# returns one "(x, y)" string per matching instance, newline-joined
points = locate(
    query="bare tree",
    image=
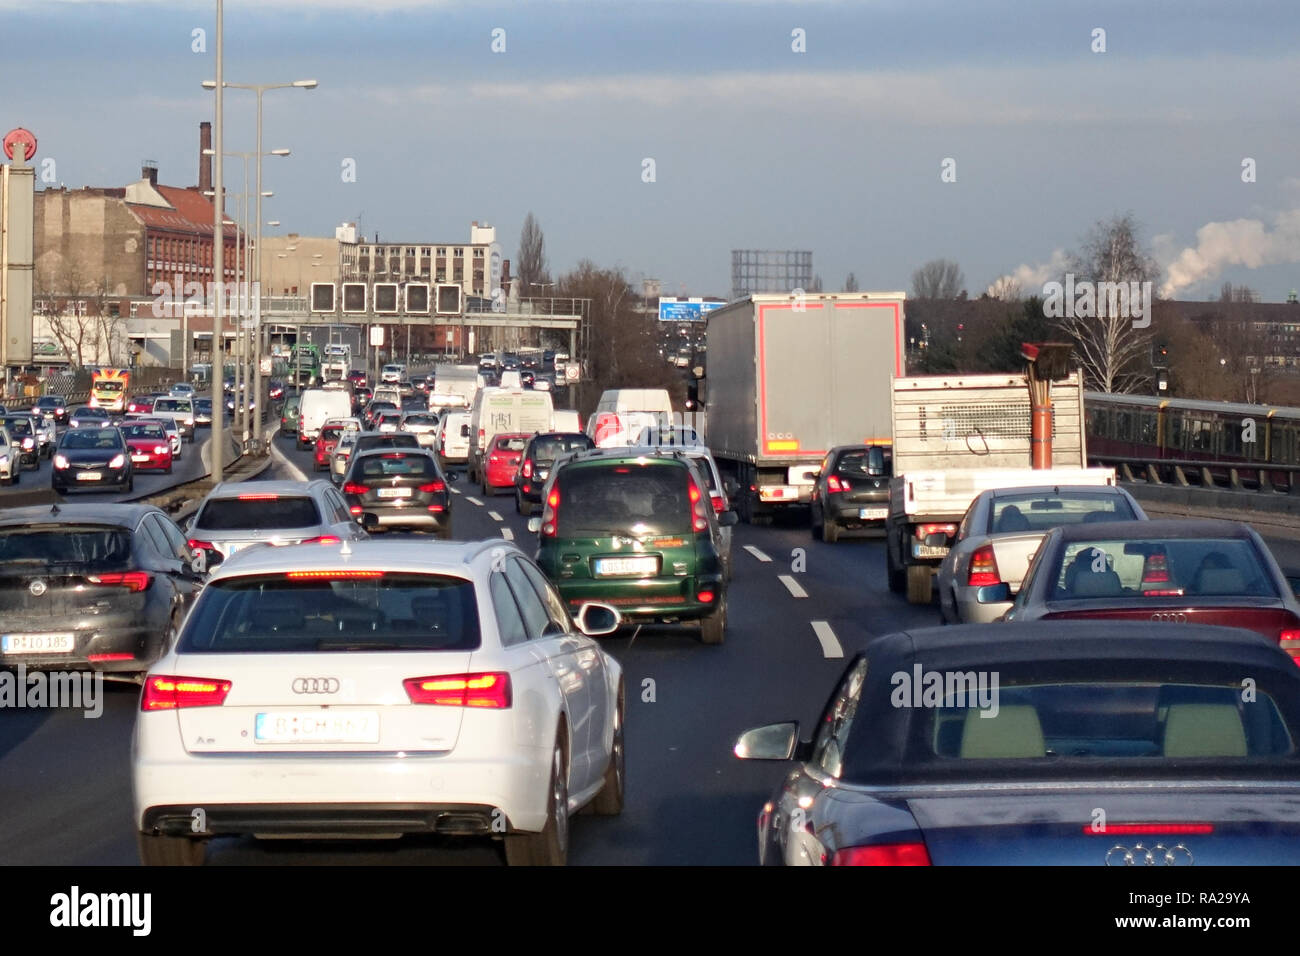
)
(1240, 293)
(815, 285)
(1114, 355)
(937, 279)
(851, 283)
(531, 261)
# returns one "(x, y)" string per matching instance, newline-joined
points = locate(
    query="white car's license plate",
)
(646, 565)
(139, 457)
(36, 643)
(89, 476)
(873, 512)
(394, 492)
(317, 727)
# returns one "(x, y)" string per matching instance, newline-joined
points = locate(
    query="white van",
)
(622, 413)
(566, 420)
(316, 407)
(501, 410)
(451, 438)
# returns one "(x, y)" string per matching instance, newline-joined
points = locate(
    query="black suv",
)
(535, 464)
(398, 488)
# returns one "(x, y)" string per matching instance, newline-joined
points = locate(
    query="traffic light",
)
(1160, 355)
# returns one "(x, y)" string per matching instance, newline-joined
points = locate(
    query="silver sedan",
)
(1001, 532)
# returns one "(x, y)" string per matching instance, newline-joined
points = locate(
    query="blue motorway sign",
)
(694, 310)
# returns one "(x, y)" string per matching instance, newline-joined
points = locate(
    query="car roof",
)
(592, 456)
(125, 515)
(959, 646)
(233, 489)
(1161, 528)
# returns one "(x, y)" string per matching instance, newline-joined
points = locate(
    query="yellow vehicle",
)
(108, 389)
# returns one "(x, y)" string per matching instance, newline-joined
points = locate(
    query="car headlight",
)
(159, 449)
(117, 462)
(60, 461)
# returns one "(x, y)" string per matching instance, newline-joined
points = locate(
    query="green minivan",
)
(635, 530)
(289, 416)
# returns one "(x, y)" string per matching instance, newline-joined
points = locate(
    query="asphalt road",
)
(797, 609)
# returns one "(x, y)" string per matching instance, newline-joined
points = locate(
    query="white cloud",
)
(1240, 242)
(1030, 278)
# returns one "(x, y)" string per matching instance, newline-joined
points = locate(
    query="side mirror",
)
(202, 561)
(535, 524)
(596, 620)
(772, 742)
(993, 593)
(728, 518)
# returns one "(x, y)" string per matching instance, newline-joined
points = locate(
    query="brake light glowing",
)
(331, 575)
(1289, 641)
(355, 509)
(887, 854)
(705, 597)
(699, 518)
(434, 487)
(1152, 829)
(552, 514)
(719, 505)
(164, 692)
(324, 539)
(488, 690)
(353, 488)
(528, 468)
(1155, 570)
(258, 497)
(983, 568)
(923, 531)
(834, 483)
(133, 581)
(194, 544)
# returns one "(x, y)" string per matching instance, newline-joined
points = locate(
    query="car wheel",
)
(445, 533)
(171, 850)
(609, 802)
(130, 484)
(815, 526)
(713, 629)
(830, 531)
(897, 576)
(551, 846)
(920, 589)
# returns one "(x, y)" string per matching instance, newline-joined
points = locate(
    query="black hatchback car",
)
(53, 405)
(91, 587)
(398, 488)
(535, 465)
(92, 458)
(852, 490)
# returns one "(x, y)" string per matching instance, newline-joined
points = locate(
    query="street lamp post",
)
(216, 446)
(259, 89)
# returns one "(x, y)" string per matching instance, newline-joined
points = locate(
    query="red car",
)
(151, 449)
(502, 462)
(325, 442)
(141, 404)
(357, 377)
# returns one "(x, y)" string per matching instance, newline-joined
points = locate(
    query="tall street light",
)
(259, 89)
(218, 266)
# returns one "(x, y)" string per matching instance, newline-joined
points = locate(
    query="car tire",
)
(713, 628)
(897, 576)
(130, 484)
(609, 802)
(171, 850)
(830, 531)
(550, 847)
(920, 584)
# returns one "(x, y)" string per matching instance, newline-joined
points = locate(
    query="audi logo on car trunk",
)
(1157, 855)
(1172, 617)
(315, 685)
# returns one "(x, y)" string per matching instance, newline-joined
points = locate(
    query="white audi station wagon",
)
(376, 689)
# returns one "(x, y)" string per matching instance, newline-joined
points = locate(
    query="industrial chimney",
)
(205, 162)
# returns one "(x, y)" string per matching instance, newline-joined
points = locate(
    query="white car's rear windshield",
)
(321, 611)
(255, 513)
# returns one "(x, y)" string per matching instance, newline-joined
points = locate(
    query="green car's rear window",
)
(632, 498)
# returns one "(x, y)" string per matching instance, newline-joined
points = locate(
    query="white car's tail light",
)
(486, 690)
(165, 692)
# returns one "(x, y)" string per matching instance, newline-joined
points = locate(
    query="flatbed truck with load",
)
(955, 436)
(790, 377)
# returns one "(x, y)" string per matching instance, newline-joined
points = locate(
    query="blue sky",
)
(837, 149)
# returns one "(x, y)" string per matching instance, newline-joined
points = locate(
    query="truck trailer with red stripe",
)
(791, 376)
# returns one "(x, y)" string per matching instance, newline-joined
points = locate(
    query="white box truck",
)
(503, 411)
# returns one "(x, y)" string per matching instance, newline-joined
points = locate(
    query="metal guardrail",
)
(1199, 473)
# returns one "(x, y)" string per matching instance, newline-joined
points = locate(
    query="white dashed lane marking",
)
(757, 553)
(475, 501)
(507, 534)
(830, 643)
(494, 516)
(793, 586)
(455, 491)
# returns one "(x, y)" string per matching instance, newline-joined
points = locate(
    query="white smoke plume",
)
(1241, 242)
(1029, 279)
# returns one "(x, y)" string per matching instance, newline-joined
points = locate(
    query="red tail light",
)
(324, 539)
(100, 658)
(719, 505)
(352, 488)
(434, 487)
(705, 597)
(258, 497)
(699, 518)
(923, 531)
(331, 575)
(888, 854)
(1155, 571)
(552, 514)
(528, 468)
(834, 483)
(355, 509)
(194, 544)
(164, 692)
(1150, 829)
(1289, 641)
(131, 580)
(983, 568)
(488, 690)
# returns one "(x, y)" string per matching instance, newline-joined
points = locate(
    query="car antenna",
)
(345, 550)
(54, 508)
